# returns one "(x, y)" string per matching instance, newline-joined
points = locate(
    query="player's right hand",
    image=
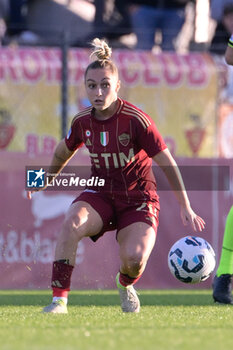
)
(29, 194)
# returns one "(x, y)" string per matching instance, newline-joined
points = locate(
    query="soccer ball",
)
(191, 259)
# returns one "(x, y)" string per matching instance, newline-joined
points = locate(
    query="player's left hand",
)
(188, 216)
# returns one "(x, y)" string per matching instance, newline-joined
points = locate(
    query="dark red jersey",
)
(120, 148)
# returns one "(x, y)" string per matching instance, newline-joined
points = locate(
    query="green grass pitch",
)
(169, 319)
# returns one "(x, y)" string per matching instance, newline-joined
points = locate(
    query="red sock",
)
(61, 278)
(126, 280)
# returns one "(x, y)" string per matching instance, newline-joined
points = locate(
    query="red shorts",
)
(117, 213)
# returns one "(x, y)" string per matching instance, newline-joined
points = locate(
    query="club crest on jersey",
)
(104, 138)
(124, 139)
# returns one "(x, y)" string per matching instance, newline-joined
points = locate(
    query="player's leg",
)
(145, 21)
(222, 280)
(82, 220)
(171, 26)
(136, 242)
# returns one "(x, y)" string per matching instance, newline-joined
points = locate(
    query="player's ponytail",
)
(101, 50)
(102, 53)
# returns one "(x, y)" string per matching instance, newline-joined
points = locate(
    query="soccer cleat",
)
(222, 289)
(128, 297)
(57, 307)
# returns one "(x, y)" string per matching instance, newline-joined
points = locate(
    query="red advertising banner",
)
(29, 229)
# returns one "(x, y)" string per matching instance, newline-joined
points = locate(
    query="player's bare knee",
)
(74, 228)
(134, 263)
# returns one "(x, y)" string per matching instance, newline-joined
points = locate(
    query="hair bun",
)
(101, 49)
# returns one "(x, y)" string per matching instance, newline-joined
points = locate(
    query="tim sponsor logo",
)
(116, 160)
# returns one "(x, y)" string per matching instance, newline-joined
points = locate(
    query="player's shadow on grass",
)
(108, 299)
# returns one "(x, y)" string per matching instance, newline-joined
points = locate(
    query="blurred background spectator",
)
(17, 23)
(152, 16)
(17, 16)
(4, 8)
(217, 8)
(223, 30)
(111, 21)
(222, 13)
(44, 22)
(150, 22)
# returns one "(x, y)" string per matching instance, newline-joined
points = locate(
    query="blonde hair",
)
(103, 55)
(101, 49)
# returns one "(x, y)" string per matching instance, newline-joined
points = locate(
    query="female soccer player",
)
(122, 141)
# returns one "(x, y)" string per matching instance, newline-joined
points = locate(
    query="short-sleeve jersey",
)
(120, 148)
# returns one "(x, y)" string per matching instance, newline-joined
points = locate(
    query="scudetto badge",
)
(104, 138)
